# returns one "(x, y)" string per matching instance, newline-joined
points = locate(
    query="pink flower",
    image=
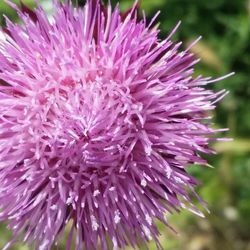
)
(99, 120)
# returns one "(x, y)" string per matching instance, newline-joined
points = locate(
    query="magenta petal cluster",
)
(99, 120)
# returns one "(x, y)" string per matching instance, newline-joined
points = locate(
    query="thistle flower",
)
(99, 120)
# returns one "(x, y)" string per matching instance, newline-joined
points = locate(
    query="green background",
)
(225, 47)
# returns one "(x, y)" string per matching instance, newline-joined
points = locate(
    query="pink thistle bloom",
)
(99, 120)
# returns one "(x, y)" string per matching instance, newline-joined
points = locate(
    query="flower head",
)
(99, 120)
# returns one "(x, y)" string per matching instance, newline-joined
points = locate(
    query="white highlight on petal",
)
(147, 232)
(148, 219)
(115, 245)
(94, 223)
(69, 200)
(44, 245)
(169, 172)
(54, 207)
(96, 192)
(143, 183)
(117, 218)
(2, 36)
(112, 189)
(178, 180)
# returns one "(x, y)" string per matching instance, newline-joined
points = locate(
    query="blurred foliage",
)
(225, 47)
(5, 9)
